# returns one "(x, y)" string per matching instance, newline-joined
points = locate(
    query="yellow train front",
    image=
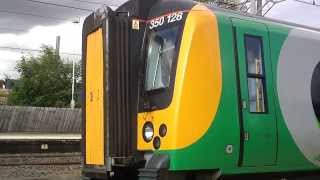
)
(176, 90)
(138, 95)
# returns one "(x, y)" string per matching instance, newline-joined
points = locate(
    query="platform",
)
(38, 136)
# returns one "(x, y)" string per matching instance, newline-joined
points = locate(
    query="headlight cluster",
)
(148, 133)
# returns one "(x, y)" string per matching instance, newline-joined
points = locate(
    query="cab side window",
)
(255, 74)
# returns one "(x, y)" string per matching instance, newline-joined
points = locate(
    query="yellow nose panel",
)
(198, 85)
(94, 100)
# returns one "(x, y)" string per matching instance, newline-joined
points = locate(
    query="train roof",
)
(237, 14)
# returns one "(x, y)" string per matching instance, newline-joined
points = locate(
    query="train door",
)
(94, 102)
(259, 130)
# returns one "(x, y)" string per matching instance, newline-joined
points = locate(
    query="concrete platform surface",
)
(39, 136)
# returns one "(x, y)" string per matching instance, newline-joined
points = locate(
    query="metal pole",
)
(72, 104)
(259, 7)
(57, 46)
(253, 7)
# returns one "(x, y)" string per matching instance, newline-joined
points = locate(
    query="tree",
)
(45, 81)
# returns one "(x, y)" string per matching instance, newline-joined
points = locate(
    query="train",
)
(176, 89)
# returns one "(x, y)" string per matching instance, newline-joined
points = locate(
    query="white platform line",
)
(34, 136)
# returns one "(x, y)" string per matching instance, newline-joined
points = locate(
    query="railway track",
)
(44, 166)
(40, 159)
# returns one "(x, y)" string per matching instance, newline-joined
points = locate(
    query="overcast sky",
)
(27, 25)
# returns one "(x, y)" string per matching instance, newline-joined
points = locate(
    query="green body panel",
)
(210, 151)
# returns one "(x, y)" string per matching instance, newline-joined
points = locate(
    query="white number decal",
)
(171, 18)
(156, 22)
(177, 16)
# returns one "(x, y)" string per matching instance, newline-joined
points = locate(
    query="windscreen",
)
(161, 54)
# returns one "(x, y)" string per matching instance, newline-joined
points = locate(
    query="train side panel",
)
(290, 157)
(220, 147)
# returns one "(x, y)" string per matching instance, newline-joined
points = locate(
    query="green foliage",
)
(45, 81)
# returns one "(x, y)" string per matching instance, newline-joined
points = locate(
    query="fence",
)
(3, 100)
(39, 119)
(3, 95)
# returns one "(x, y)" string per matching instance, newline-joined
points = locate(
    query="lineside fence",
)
(39, 119)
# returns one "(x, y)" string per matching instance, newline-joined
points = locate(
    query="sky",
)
(28, 24)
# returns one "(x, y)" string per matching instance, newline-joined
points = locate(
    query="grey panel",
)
(298, 58)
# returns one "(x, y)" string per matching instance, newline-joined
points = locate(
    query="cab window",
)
(161, 52)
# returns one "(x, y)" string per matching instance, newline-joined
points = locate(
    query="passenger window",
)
(255, 73)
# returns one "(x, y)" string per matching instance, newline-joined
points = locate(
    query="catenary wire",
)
(60, 5)
(33, 50)
(33, 15)
(96, 3)
(300, 1)
(90, 2)
(12, 29)
(304, 2)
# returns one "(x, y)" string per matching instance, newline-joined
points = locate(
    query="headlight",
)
(148, 131)
(156, 142)
(163, 130)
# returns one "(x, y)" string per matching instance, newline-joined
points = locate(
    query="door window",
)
(255, 74)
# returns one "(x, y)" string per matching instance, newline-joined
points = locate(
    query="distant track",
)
(40, 159)
(40, 155)
(41, 164)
